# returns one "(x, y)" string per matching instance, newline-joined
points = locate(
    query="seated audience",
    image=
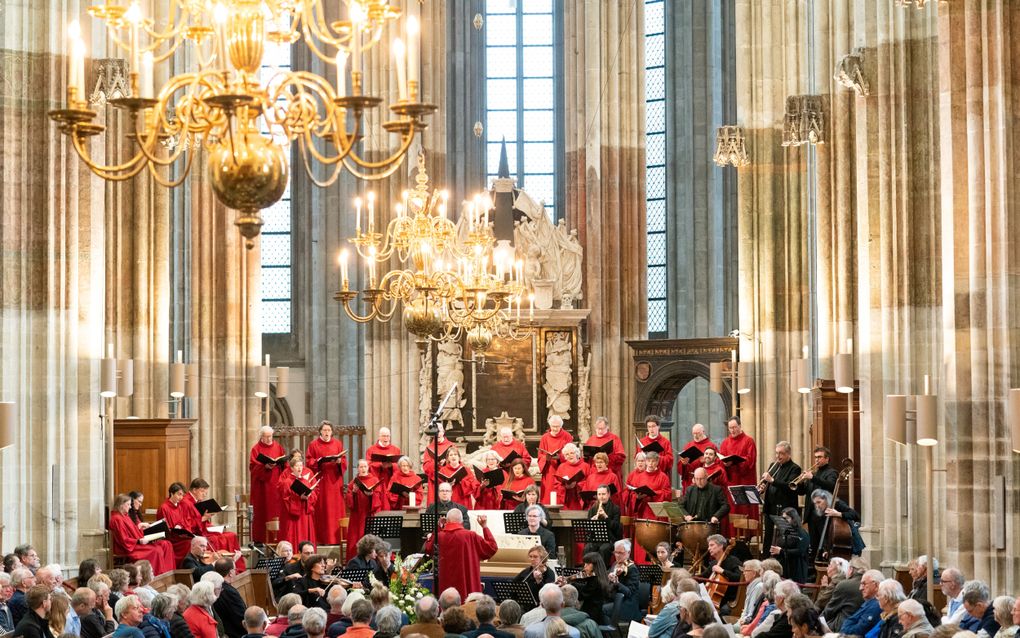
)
(574, 617)
(178, 625)
(361, 618)
(199, 614)
(95, 622)
(1007, 614)
(89, 568)
(427, 611)
(918, 570)
(675, 604)
(978, 602)
(255, 622)
(952, 582)
(835, 572)
(295, 622)
(777, 623)
(388, 621)
(485, 613)
(33, 624)
(145, 577)
(229, 605)
(550, 598)
(130, 613)
(867, 615)
(846, 597)
(156, 623)
(335, 598)
(912, 619)
(283, 607)
(890, 595)
(508, 618)
(6, 590)
(455, 621)
(60, 605)
(22, 579)
(314, 623)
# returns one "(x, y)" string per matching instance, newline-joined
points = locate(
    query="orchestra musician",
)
(445, 503)
(717, 567)
(488, 495)
(778, 494)
(791, 547)
(516, 482)
(264, 477)
(383, 470)
(534, 522)
(602, 437)
(698, 440)
(605, 509)
(655, 440)
(531, 498)
(325, 457)
(550, 453)
(460, 476)
(127, 539)
(506, 446)
(626, 580)
(627, 501)
(296, 509)
(406, 477)
(593, 587)
(602, 474)
(704, 501)
(312, 586)
(538, 572)
(572, 466)
(220, 541)
(820, 476)
(364, 498)
(742, 472)
(429, 459)
(823, 507)
(199, 559)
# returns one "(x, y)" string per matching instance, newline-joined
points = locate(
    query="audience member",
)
(846, 597)
(199, 614)
(314, 622)
(145, 577)
(388, 621)
(426, 609)
(33, 624)
(455, 622)
(361, 617)
(867, 615)
(508, 618)
(335, 598)
(556, 628)
(952, 582)
(22, 579)
(889, 596)
(977, 600)
(28, 556)
(96, 622)
(178, 625)
(57, 618)
(550, 598)
(573, 616)
(129, 613)
(255, 622)
(229, 605)
(295, 622)
(6, 591)
(283, 607)
(1007, 614)
(485, 612)
(912, 619)
(89, 568)
(156, 623)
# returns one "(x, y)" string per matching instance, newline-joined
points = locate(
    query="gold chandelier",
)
(453, 279)
(222, 105)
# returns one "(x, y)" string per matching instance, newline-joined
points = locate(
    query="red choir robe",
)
(665, 456)
(125, 536)
(218, 541)
(179, 517)
(688, 470)
(329, 509)
(265, 505)
(570, 494)
(515, 446)
(361, 505)
(627, 501)
(489, 497)
(514, 485)
(550, 454)
(743, 473)
(379, 469)
(658, 483)
(616, 457)
(461, 552)
(428, 459)
(296, 523)
(412, 480)
(594, 479)
(464, 488)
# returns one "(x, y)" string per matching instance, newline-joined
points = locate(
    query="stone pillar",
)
(605, 159)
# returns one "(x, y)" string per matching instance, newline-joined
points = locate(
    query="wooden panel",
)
(831, 429)
(150, 454)
(262, 590)
(244, 586)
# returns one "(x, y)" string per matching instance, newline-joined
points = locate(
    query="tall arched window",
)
(655, 165)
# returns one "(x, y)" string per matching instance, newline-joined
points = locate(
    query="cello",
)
(716, 587)
(836, 538)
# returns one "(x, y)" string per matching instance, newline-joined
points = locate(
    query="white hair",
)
(266, 429)
(557, 418)
(784, 589)
(912, 607)
(455, 516)
(505, 430)
(124, 604)
(922, 561)
(535, 508)
(214, 578)
(570, 447)
(624, 543)
(203, 594)
(841, 564)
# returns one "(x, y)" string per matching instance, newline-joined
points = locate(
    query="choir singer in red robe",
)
(221, 541)
(299, 494)
(627, 506)
(516, 482)
(127, 539)
(382, 455)
(655, 442)
(265, 464)
(461, 552)
(701, 441)
(655, 481)
(742, 471)
(429, 458)
(364, 498)
(488, 495)
(602, 438)
(327, 458)
(408, 483)
(550, 453)
(570, 476)
(183, 520)
(460, 477)
(600, 474)
(508, 448)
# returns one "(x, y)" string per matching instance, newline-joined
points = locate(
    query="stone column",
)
(605, 159)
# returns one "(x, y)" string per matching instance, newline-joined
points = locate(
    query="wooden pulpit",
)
(149, 455)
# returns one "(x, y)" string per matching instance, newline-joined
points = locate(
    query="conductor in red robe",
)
(382, 448)
(603, 436)
(183, 520)
(127, 541)
(219, 541)
(461, 553)
(506, 446)
(654, 440)
(296, 509)
(364, 498)
(264, 477)
(570, 477)
(326, 458)
(699, 440)
(743, 472)
(429, 458)
(550, 453)
(409, 482)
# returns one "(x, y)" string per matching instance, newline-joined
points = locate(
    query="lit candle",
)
(371, 267)
(77, 74)
(357, 215)
(355, 15)
(341, 73)
(344, 281)
(180, 356)
(400, 210)
(145, 76)
(398, 58)
(371, 212)
(413, 42)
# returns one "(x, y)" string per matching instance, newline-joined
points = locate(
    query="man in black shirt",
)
(779, 494)
(229, 605)
(719, 568)
(605, 509)
(445, 503)
(34, 624)
(535, 517)
(194, 559)
(821, 478)
(95, 622)
(704, 501)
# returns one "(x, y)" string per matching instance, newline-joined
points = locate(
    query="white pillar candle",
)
(413, 51)
(344, 281)
(398, 59)
(552, 498)
(341, 73)
(412, 499)
(145, 83)
(77, 73)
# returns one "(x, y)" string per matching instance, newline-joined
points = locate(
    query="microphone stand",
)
(432, 429)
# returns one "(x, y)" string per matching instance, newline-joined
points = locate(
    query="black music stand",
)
(384, 526)
(272, 565)
(427, 521)
(780, 527)
(355, 575)
(589, 531)
(745, 495)
(650, 574)
(514, 590)
(513, 522)
(566, 572)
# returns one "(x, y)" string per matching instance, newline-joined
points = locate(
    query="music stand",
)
(355, 575)
(513, 522)
(745, 495)
(780, 527)
(589, 531)
(514, 590)
(384, 526)
(650, 574)
(566, 572)
(272, 565)
(427, 521)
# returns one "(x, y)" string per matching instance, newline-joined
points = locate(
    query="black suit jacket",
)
(230, 607)
(446, 507)
(612, 511)
(547, 538)
(95, 625)
(781, 628)
(179, 627)
(32, 626)
(196, 566)
(704, 503)
(778, 494)
(846, 598)
(17, 606)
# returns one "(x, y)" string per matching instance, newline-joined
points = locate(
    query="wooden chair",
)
(342, 537)
(747, 529)
(242, 520)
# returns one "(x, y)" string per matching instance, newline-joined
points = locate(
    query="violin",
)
(209, 558)
(620, 570)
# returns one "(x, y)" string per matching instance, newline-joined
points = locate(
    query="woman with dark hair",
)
(86, 570)
(791, 548)
(531, 496)
(11, 562)
(805, 622)
(312, 587)
(517, 482)
(460, 477)
(593, 587)
(137, 498)
(364, 498)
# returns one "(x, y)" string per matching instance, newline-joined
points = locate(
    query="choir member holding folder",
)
(219, 539)
(608, 443)
(490, 481)
(690, 458)
(405, 487)
(182, 519)
(657, 443)
(550, 454)
(600, 474)
(570, 476)
(129, 541)
(382, 456)
(299, 494)
(510, 449)
(516, 483)
(460, 477)
(265, 464)
(431, 459)
(327, 457)
(627, 504)
(365, 497)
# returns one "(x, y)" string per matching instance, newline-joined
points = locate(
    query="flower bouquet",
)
(403, 585)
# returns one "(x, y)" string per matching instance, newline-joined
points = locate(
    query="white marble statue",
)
(450, 370)
(558, 373)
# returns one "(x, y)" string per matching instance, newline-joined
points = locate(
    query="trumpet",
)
(803, 476)
(762, 484)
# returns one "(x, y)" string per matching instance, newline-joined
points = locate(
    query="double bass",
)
(836, 538)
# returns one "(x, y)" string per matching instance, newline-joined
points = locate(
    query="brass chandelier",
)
(222, 104)
(453, 279)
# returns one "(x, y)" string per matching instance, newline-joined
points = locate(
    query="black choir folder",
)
(456, 477)
(692, 454)
(591, 494)
(494, 477)
(268, 460)
(592, 450)
(552, 454)
(576, 478)
(643, 490)
(654, 446)
(514, 494)
(385, 458)
(401, 489)
(730, 459)
(208, 506)
(299, 488)
(332, 458)
(510, 458)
